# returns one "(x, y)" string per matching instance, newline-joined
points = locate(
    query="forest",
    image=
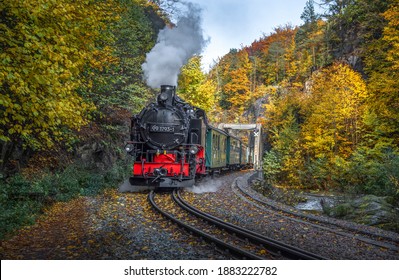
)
(330, 94)
(326, 93)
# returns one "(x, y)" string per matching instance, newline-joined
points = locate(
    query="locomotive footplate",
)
(164, 182)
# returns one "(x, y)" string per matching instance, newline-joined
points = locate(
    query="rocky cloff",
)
(370, 210)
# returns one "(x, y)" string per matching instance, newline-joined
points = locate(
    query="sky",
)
(236, 23)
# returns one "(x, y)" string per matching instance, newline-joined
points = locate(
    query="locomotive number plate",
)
(162, 128)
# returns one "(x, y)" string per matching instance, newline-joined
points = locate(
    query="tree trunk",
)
(6, 150)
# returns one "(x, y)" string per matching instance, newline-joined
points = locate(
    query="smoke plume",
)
(175, 46)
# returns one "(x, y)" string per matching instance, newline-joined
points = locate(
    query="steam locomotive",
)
(173, 144)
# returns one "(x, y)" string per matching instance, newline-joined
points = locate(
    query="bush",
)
(271, 166)
(368, 171)
(375, 172)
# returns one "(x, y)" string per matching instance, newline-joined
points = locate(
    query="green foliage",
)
(120, 84)
(309, 15)
(342, 210)
(375, 171)
(283, 125)
(271, 167)
(354, 25)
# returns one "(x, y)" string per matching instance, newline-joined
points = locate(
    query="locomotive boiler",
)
(167, 142)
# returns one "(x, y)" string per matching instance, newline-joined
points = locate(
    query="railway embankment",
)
(371, 210)
(115, 225)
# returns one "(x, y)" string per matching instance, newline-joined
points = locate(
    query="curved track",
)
(234, 239)
(375, 239)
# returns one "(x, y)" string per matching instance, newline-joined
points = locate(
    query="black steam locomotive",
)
(172, 144)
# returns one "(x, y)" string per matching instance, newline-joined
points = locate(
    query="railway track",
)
(238, 241)
(373, 238)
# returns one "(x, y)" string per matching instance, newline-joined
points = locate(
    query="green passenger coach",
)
(216, 149)
(233, 152)
(244, 155)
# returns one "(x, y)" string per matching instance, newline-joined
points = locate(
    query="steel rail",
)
(274, 246)
(308, 219)
(232, 249)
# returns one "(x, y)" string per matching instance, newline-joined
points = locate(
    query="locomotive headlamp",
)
(129, 147)
(163, 96)
(193, 150)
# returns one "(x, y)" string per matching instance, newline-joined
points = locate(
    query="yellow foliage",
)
(238, 87)
(391, 34)
(384, 80)
(46, 46)
(334, 112)
(195, 88)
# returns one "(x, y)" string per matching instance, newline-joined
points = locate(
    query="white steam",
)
(175, 46)
(207, 185)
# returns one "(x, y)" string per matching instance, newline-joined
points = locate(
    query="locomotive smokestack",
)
(167, 94)
(168, 88)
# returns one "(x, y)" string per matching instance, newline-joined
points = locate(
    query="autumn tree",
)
(282, 122)
(70, 72)
(238, 87)
(273, 65)
(310, 39)
(194, 87)
(375, 165)
(232, 76)
(334, 111)
(118, 90)
(331, 86)
(313, 132)
(383, 68)
(133, 37)
(45, 47)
